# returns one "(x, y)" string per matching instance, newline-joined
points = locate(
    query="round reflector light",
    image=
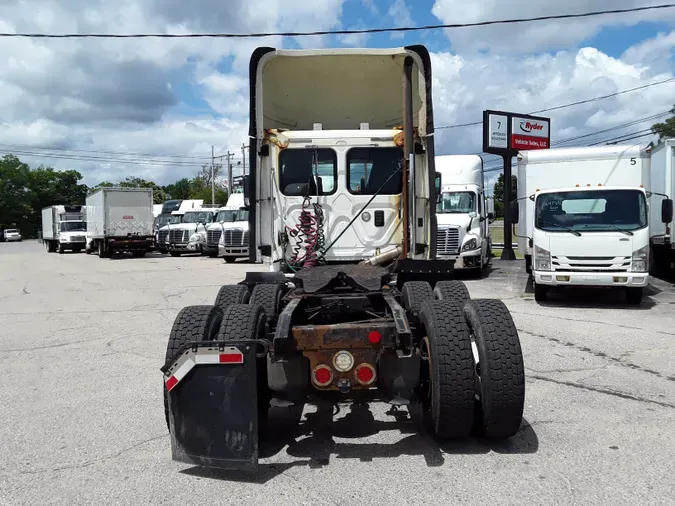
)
(374, 337)
(343, 361)
(365, 374)
(322, 375)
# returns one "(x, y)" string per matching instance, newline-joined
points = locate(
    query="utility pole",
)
(213, 179)
(229, 173)
(243, 158)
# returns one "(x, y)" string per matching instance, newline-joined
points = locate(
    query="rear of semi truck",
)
(662, 226)
(120, 220)
(583, 218)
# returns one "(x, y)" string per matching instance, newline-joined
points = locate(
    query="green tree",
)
(158, 193)
(498, 193)
(14, 189)
(179, 190)
(665, 129)
(201, 189)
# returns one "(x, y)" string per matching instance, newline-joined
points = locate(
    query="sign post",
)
(504, 134)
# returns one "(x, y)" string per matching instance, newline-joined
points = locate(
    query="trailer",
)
(662, 232)
(353, 305)
(64, 228)
(119, 220)
(583, 219)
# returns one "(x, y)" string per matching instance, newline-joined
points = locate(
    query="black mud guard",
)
(432, 271)
(213, 404)
(259, 278)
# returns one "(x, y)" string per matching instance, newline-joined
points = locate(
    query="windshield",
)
(456, 203)
(73, 226)
(160, 221)
(591, 211)
(11, 231)
(198, 217)
(228, 215)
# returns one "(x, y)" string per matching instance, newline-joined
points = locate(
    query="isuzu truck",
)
(583, 218)
(464, 212)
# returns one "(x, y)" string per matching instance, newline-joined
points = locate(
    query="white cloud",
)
(539, 36)
(401, 16)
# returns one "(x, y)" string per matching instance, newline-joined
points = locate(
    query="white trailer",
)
(583, 217)
(464, 212)
(64, 228)
(662, 226)
(119, 220)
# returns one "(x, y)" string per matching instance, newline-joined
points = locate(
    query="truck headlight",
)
(194, 238)
(542, 259)
(64, 239)
(640, 261)
(470, 245)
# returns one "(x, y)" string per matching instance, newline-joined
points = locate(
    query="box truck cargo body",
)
(119, 220)
(663, 189)
(583, 217)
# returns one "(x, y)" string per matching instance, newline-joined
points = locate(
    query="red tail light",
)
(322, 375)
(374, 337)
(365, 374)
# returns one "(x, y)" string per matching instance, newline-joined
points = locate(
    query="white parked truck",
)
(353, 305)
(583, 218)
(64, 228)
(233, 241)
(464, 212)
(662, 225)
(119, 220)
(189, 236)
(172, 214)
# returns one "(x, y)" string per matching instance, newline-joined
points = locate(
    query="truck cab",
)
(583, 218)
(189, 235)
(233, 237)
(72, 234)
(464, 212)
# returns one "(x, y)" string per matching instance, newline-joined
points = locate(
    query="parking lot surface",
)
(81, 416)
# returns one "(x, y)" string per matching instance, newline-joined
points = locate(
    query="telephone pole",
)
(243, 158)
(213, 171)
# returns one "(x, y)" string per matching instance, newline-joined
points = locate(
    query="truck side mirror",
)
(437, 187)
(514, 213)
(244, 183)
(490, 208)
(667, 210)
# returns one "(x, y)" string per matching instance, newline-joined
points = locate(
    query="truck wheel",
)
(213, 254)
(499, 367)
(174, 253)
(269, 297)
(415, 293)
(62, 249)
(230, 260)
(451, 290)
(102, 253)
(528, 264)
(540, 293)
(48, 247)
(243, 322)
(232, 294)
(448, 380)
(634, 295)
(193, 323)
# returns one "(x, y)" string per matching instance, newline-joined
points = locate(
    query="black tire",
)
(62, 249)
(540, 293)
(528, 264)
(102, 253)
(269, 297)
(193, 323)
(243, 322)
(230, 260)
(213, 254)
(77, 250)
(634, 295)
(500, 368)
(175, 253)
(449, 399)
(451, 290)
(232, 294)
(415, 293)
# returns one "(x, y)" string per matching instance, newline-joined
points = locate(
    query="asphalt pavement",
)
(81, 416)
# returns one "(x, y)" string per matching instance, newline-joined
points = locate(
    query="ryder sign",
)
(529, 133)
(506, 133)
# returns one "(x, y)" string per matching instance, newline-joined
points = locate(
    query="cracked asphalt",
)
(81, 414)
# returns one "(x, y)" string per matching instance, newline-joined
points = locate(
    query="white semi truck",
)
(663, 191)
(189, 235)
(64, 228)
(228, 236)
(119, 220)
(172, 214)
(583, 218)
(464, 212)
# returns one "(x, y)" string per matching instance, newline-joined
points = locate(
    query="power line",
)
(124, 153)
(332, 32)
(595, 99)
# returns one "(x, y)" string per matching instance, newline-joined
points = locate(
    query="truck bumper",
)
(468, 260)
(195, 246)
(130, 244)
(232, 251)
(616, 279)
(177, 247)
(73, 245)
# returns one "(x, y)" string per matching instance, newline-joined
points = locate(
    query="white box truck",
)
(64, 228)
(464, 212)
(583, 217)
(119, 220)
(661, 214)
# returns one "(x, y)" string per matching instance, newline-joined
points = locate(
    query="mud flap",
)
(213, 405)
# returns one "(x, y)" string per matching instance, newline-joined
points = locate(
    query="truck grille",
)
(179, 236)
(589, 264)
(448, 241)
(235, 237)
(78, 238)
(213, 236)
(162, 235)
